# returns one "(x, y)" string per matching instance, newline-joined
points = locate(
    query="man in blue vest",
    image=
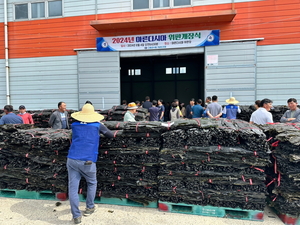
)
(231, 110)
(82, 157)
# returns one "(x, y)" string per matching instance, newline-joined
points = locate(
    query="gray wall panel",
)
(53, 79)
(99, 78)
(215, 2)
(87, 7)
(235, 73)
(278, 68)
(2, 84)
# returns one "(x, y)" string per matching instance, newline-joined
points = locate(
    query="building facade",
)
(48, 51)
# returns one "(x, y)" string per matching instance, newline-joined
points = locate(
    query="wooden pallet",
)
(24, 194)
(234, 213)
(121, 201)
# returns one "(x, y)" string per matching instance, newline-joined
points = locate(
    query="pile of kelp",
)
(33, 159)
(283, 177)
(116, 113)
(128, 163)
(213, 162)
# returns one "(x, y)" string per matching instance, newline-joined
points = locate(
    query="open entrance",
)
(163, 77)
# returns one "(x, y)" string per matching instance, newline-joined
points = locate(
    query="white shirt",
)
(261, 116)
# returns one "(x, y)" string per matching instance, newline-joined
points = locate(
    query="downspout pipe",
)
(6, 54)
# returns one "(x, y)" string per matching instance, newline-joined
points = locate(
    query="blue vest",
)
(85, 141)
(231, 111)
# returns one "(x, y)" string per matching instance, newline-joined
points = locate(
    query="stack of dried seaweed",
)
(217, 162)
(33, 159)
(284, 175)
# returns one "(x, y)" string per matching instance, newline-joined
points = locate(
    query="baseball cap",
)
(22, 107)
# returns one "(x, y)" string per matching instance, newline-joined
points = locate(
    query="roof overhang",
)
(164, 20)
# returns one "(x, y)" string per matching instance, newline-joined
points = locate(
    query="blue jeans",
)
(76, 170)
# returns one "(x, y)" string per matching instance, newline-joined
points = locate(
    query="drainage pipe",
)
(6, 53)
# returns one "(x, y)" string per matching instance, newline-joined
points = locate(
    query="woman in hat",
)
(82, 157)
(231, 110)
(129, 115)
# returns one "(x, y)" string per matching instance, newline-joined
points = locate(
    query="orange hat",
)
(132, 105)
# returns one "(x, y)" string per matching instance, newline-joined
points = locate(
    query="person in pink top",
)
(27, 118)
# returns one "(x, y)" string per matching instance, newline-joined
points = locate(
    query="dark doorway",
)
(163, 77)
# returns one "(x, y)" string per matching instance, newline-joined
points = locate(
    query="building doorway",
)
(163, 77)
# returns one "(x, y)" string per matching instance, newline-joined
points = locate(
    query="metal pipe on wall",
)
(6, 54)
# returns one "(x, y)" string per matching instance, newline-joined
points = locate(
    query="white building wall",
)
(40, 83)
(2, 84)
(278, 72)
(235, 73)
(88, 7)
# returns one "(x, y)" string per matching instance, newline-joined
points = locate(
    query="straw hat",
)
(87, 114)
(232, 100)
(132, 105)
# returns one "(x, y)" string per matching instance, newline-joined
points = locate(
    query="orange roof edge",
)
(165, 19)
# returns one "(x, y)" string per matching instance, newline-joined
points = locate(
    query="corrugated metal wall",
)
(278, 69)
(2, 84)
(87, 7)
(99, 78)
(40, 83)
(235, 73)
(215, 2)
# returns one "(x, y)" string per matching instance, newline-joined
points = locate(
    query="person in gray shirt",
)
(292, 115)
(214, 110)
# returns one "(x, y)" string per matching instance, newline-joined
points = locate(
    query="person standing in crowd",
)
(161, 110)
(10, 117)
(147, 104)
(197, 110)
(174, 112)
(214, 110)
(207, 101)
(129, 115)
(86, 102)
(177, 103)
(154, 111)
(167, 111)
(59, 119)
(257, 104)
(82, 158)
(182, 109)
(188, 109)
(293, 114)
(124, 102)
(138, 104)
(27, 118)
(262, 114)
(231, 110)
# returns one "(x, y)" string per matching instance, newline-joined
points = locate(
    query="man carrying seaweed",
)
(82, 157)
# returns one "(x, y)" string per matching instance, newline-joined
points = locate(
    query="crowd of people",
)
(210, 109)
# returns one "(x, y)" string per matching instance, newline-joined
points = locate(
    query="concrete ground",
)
(43, 212)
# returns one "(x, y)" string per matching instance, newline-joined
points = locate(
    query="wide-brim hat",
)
(232, 101)
(87, 114)
(132, 105)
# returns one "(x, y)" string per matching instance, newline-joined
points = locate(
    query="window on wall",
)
(21, 11)
(39, 9)
(154, 4)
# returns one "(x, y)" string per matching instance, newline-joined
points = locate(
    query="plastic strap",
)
(174, 189)
(136, 127)
(115, 134)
